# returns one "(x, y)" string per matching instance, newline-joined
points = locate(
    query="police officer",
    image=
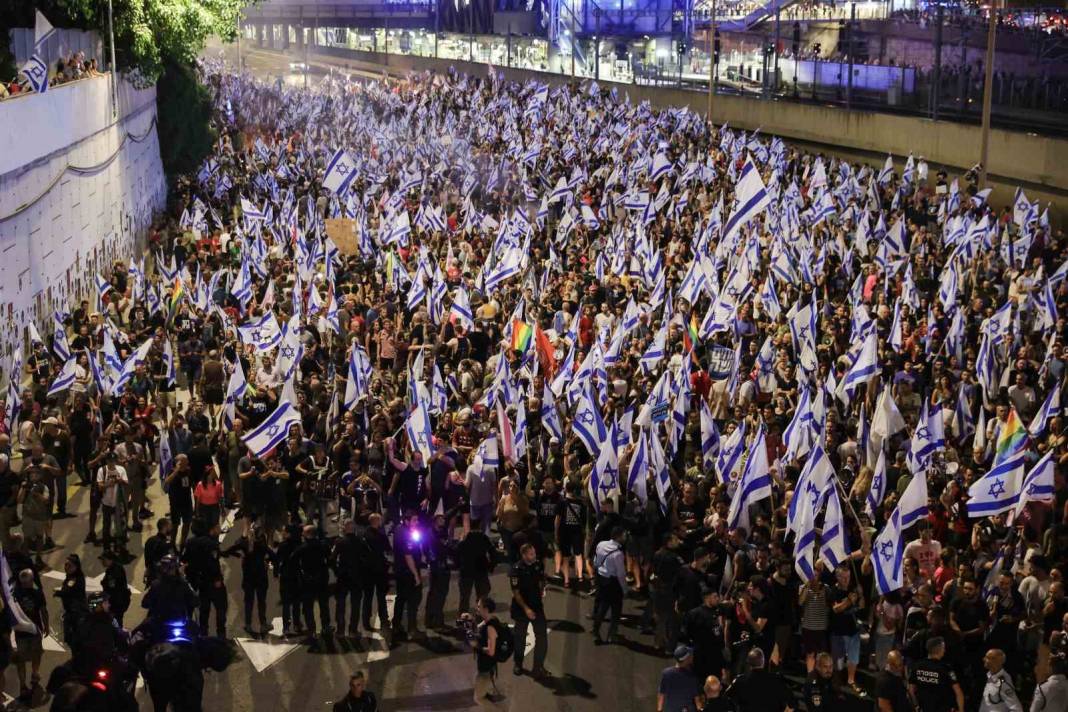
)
(610, 568)
(934, 683)
(287, 569)
(438, 550)
(312, 559)
(998, 693)
(1053, 693)
(375, 571)
(114, 584)
(170, 597)
(704, 629)
(666, 567)
(409, 564)
(820, 692)
(201, 557)
(100, 637)
(157, 546)
(528, 610)
(345, 559)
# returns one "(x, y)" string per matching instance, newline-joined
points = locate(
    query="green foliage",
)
(148, 33)
(184, 123)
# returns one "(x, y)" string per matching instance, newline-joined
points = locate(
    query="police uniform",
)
(998, 694)
(528, 580)
(820, 694)
(934, 680)
(1051, 695)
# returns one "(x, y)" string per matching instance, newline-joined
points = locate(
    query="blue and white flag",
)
(811, 489)
(359, 376)
(59, 341)
(709, 438)
(102, 287)
(730, 453)
(887, 554)
(864, 369)
(1038, 485)
(263, 333)
(754, 484)
(999, 489)
(751, 199)
(660, 471)
(168, 362)
(913, 503)
(273, 430)
(340, 172)
(417, 428)
(878, 487)
(550, 416)
(1051, 408)
(604, 479)
(834, 544)
(461, 309)
(65, 378)
(36, 72)
(638, 472)
(588, 425)
(235, 390)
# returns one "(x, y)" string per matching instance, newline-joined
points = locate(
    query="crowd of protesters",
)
(594, 277)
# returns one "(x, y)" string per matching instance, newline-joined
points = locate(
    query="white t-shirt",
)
(111, 493)
(926, 554)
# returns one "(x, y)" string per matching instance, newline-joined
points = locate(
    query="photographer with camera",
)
(492, 643)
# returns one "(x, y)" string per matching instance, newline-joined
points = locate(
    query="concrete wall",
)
(1038, 163)
(78, 188)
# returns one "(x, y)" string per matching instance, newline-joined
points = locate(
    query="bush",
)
(183, 106)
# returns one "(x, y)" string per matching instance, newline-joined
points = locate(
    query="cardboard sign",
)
(343, 232)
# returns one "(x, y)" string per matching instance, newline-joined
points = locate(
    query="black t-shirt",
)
(703, 627)
(892, 688)
(407, 542)
(546, 507)
(526, 580)
(969, 615)
(844, 623)
(412, 487)
(934, 681)
(573, 513)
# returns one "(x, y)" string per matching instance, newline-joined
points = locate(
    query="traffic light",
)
(797, 39)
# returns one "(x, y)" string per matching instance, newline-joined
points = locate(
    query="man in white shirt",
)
(926, 551)
(609, 563)
(111, 481)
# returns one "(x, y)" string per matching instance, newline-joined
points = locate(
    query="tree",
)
(148, 33)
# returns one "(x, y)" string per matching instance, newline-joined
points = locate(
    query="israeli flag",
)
(998, 490)
(751, 199)
(650, 360)
(340, 172)
(550, 416)
(834, 545)
(440, 395)
(273, 430)
(709, 438)
(59, 342)
(263, 333)
(1038, 485)
(359, 376)
(1051, 408)
(913, 503)
(461, 309)
(887, 553)
(661, 473)
(864, 369)
(65, 378)
(604, 480)
(754, 484)
(168, 362)
(638, 472)
(588, 425)
(235, 390)
(812, 486)
(878, 486)
(730, 454)
(417, 428)
(36, 73)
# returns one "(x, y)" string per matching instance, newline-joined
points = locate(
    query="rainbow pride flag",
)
(522, 335)
(691, 338)
(1012, 437)
(177, 292)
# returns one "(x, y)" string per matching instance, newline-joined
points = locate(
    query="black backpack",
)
(505, 642)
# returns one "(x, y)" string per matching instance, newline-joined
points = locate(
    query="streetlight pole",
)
(988, 92)
(711, 59)
(114, 67)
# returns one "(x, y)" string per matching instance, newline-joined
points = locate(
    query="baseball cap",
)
(682, 652)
